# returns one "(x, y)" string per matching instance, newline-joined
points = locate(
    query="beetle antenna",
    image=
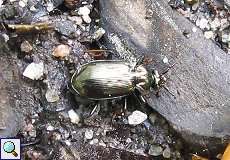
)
(168, 69)
(169, 91)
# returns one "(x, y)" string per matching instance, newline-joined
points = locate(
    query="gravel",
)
(26, 47)
(167, 153)
(155, 150)
(137, 117)
(34, 71)
(89, 134)
(212, 17)
(74, 117)
(52, 95)
(61, 51)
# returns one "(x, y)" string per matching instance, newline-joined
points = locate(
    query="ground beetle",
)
(109, 79)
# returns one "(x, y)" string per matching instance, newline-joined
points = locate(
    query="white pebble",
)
(89, 134)
(215, 23)
(94, 141)
(50, 7)
(76, 19)
(1, 1)
(165, 60)
(34, 71)
(194, 29)
(101, 143)
(67, 142)
(50, 128)
(32, 8)
(74, 117)
(137, 117)
(84, 11)
(86, 18)
(22, 4)
(209, 34)
(225, 37)
(128, 140)
(51, 95)
(5, 36)
(98, 34)
(202, 23)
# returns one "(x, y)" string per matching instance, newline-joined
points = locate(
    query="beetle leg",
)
(125, 107)
(141, 90)
(139, 62)
(96, 107)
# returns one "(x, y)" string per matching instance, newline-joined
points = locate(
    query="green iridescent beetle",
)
(109, 79)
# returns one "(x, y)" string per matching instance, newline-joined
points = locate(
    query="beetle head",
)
(157, 80)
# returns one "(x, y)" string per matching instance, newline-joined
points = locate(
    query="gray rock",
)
(88, 134)
(10, 122)
(200, 78)
(155, 150)
(66, 28)
(166, 153)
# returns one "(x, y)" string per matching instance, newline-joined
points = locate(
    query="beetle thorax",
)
(142, 77)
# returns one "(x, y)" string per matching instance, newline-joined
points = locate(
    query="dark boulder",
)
(200, 78)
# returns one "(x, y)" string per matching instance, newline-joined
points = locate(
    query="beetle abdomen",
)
(104, 80)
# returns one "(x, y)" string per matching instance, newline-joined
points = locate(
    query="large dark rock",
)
(9, 117)
(200, 78)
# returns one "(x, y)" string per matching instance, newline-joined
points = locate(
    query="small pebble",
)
(76, 19)
(50, 128)
(195, 6)
(202, 23)
(52, 95)
(84, 11)
(101, 143)
(209, 34)
(32, 8)
(128, 140)
(33, 133)
(165, 60)
(74, 117)
(61, 51)
(225, 37)
(136, 118)
(98, 34)
(26, 47)
(94, 141)
(34, 71)
(50, 7)
(167, 153)
(194, 29)
(67, 142)
(86, 18)
(215, 23)
(6, 37)
(89, 134)
(22, 4)
(56, 136)
(155, 150)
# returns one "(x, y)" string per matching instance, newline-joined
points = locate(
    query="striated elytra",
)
(108, 79)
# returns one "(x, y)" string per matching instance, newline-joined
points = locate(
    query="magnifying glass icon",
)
(9, 147)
